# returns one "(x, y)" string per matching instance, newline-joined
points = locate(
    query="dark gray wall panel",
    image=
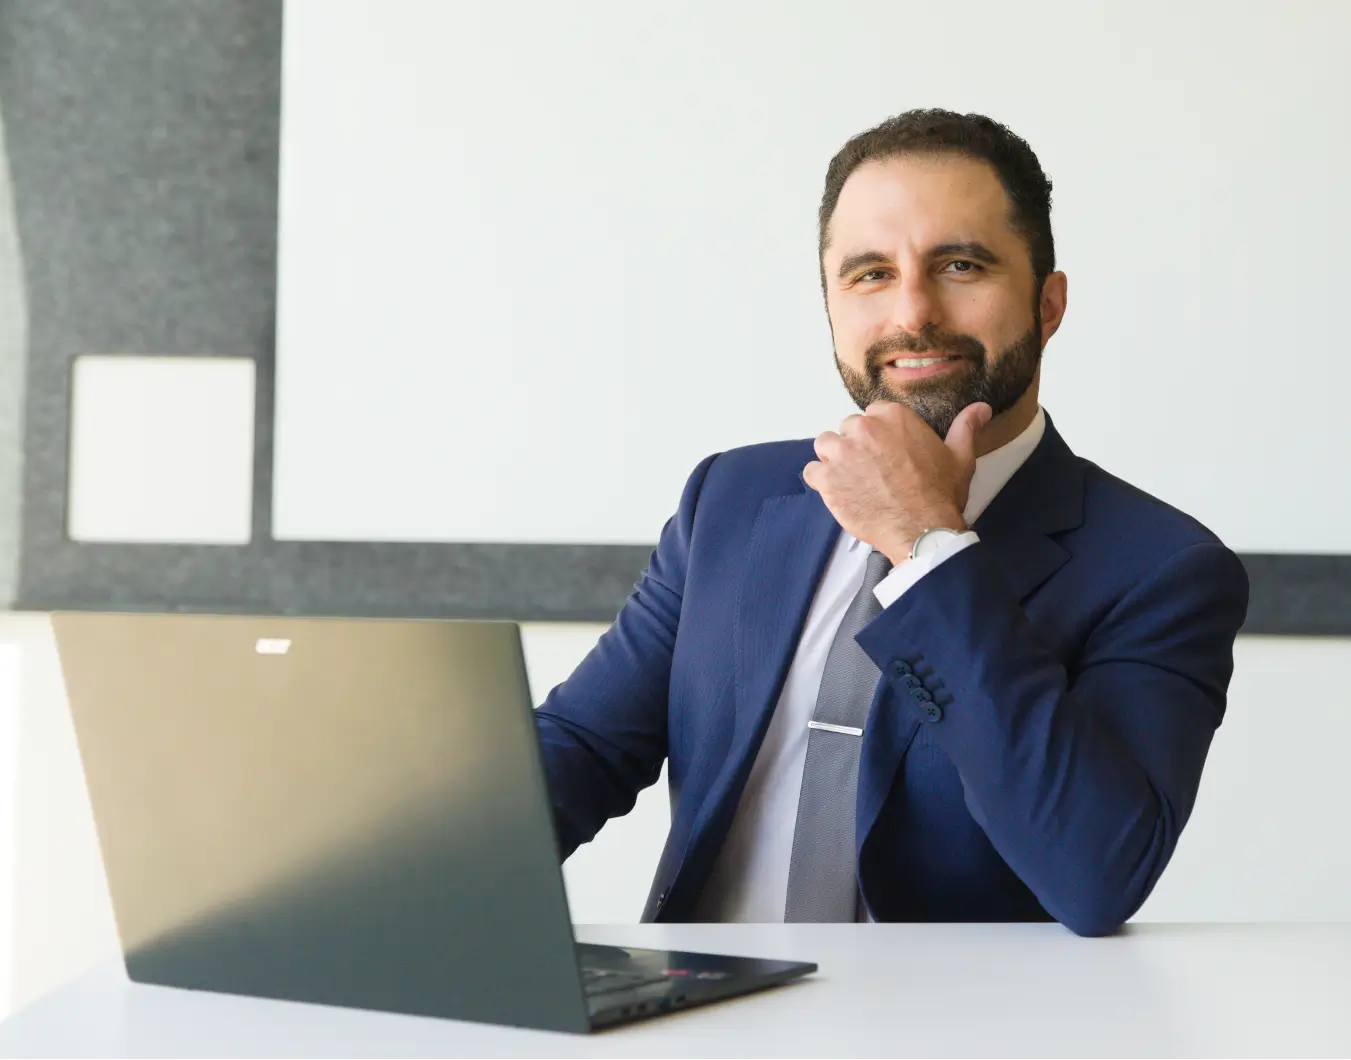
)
(143, 143)
(13, 356)
(143, 152)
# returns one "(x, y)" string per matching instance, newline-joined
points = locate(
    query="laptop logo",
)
(272, 646)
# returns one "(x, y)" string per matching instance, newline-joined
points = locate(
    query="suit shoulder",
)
(1138, 516)
(764, 468)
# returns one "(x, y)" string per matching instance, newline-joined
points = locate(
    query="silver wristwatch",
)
(931, 540)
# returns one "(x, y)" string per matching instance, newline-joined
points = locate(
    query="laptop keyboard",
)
(607, 981)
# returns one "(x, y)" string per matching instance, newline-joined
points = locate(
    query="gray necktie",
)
(822, 877)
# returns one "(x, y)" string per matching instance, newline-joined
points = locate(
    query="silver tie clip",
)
(845, 730)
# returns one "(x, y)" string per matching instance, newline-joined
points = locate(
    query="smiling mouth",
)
(918, 362)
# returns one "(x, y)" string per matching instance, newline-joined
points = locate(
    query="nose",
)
(915, 304)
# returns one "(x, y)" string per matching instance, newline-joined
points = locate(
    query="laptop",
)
(347, 812)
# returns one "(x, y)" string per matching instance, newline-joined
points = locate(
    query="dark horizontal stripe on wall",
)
(1297, 594)
(1292, 595)
(540, 583)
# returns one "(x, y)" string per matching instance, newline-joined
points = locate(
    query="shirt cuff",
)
(903, 577)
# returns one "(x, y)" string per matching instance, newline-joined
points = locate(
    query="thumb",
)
(962, 434)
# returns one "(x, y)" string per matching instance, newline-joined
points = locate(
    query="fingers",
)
(962, 434)
(828, 444)
(811, 474)
(862, 425)
(851, 425)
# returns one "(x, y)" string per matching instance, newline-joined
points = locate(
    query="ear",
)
(1054, 299)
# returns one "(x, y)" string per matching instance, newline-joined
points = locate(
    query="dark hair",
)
(937, 132)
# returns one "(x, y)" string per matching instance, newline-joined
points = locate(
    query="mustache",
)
(929, 341)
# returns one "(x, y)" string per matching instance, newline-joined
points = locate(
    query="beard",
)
(938, 399)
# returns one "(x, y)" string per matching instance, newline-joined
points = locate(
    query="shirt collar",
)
(993, 471)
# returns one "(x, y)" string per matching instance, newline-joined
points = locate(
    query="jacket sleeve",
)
(602, 732)
(1082, 778)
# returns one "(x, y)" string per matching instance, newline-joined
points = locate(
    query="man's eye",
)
(872, 272)
(970, 266)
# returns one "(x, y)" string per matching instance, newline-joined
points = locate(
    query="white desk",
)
(883, 989)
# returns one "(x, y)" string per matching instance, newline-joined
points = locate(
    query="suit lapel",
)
(786, 558)
(789, 547)
(1045, 496)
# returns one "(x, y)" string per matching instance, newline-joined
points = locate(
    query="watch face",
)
(930, 540)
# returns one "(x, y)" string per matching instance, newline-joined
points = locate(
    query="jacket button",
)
(921, 693)
(661, 897)
(900, 668)
(932, 711)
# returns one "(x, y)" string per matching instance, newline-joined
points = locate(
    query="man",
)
(932, 666)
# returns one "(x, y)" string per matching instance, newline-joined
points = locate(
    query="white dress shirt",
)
(749, 883)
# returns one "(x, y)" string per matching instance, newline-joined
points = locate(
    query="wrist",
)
(899, 550)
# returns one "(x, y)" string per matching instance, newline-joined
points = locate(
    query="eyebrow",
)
(970, 249)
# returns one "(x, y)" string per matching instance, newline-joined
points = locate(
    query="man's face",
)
(930, 293)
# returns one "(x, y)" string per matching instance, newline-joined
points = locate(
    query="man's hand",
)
(887, 477)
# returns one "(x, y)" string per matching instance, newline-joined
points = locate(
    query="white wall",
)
(62, 915)
(1268, 841)
(10, 698)
(572, 247)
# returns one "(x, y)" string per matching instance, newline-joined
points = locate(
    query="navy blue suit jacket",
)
(1078, 658)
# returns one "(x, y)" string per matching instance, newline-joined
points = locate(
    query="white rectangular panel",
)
(161, 449)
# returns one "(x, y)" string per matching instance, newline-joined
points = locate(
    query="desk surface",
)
(883, 989)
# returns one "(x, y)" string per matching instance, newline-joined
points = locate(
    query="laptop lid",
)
(343, 811)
